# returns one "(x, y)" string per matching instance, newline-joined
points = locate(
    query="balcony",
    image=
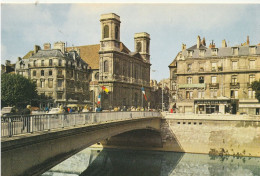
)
(234, 85)
(60, 76)
(59, 89)
(213, 85)
(201, 86)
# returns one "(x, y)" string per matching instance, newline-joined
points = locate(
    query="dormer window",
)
(235, 51)
(190, 53)
(214, 51)
(252, 50)
(202, 52)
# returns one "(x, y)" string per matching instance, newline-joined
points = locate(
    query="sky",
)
(169, 25)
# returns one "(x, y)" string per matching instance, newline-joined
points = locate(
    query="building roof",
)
(195, 47)
(48, 53)
(90, 53)
(221, 52)
(29, 54)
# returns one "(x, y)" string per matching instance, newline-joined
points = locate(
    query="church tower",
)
(142, 45)
(110, 32)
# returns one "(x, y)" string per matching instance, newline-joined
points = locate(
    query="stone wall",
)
(218, 135)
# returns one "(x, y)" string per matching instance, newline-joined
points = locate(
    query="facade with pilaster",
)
(216, 80)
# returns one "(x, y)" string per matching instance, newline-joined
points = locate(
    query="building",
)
(60, 75)
(8, 67)
(116, 68)
(209, 80)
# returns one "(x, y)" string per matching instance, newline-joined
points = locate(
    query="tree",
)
(17, 90)
(256, 88)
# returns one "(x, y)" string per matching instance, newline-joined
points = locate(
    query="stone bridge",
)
(34, 144)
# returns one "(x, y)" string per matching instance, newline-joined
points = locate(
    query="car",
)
(56, 111)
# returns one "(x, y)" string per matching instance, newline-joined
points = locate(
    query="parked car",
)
(8, 111)
(56, 111)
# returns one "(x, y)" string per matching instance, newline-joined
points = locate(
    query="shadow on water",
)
(129, 162)
(116, 162)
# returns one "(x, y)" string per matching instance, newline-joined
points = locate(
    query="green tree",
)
(256, 88)
(17, 90)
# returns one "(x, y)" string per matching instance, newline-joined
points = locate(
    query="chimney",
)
(19, 58)
(183, 47)
(60, 46)
(46, 46)
(198, 41)
(36, 49)
(224, 43)
(247, 40)
(212, 45)
(204, 41)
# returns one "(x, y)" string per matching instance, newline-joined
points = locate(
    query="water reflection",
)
(112, 162)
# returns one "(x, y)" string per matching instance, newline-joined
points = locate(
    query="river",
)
(116, 162)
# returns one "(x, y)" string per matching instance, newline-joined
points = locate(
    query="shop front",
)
(215, 106)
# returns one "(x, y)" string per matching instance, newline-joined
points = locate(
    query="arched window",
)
(116, 32)
(97, 76)
(105, 66)
(138, 47)
(106, 31)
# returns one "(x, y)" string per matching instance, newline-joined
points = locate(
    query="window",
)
(201, 79)
(60, 62)
(42, 72)
(190, 53)
(234, 65)
(34, 63)
(213, 66)
(201, 67)
(42, 63)
(34, 73)
(235, 51)
(59, 83)
(71, 73)
(234, 79)
(251, 94)
(59, 95)
(201, 94)
(147, 46)
(50, 72)
(50, 83)
(213, 93)
(35, 81)
(106, 31)
(234, 94)
(105, 66)
(189, 80)
(213, 79)
(214, 51)
(251, 78)
(201, 53)
(252, 64)
(59, 72)
(252, 50)
(189, 95)
(50, 62)
(42, 83)
(189, 66)
(116, 32)
(97, 76)
(138, 47)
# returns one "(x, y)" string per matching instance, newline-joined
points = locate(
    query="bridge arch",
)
(40, 152)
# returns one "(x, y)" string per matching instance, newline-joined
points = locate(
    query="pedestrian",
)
(47, 109)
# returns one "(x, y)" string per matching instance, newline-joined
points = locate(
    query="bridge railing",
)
(16, 125)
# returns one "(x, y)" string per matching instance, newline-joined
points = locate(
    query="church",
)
(118, 75)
